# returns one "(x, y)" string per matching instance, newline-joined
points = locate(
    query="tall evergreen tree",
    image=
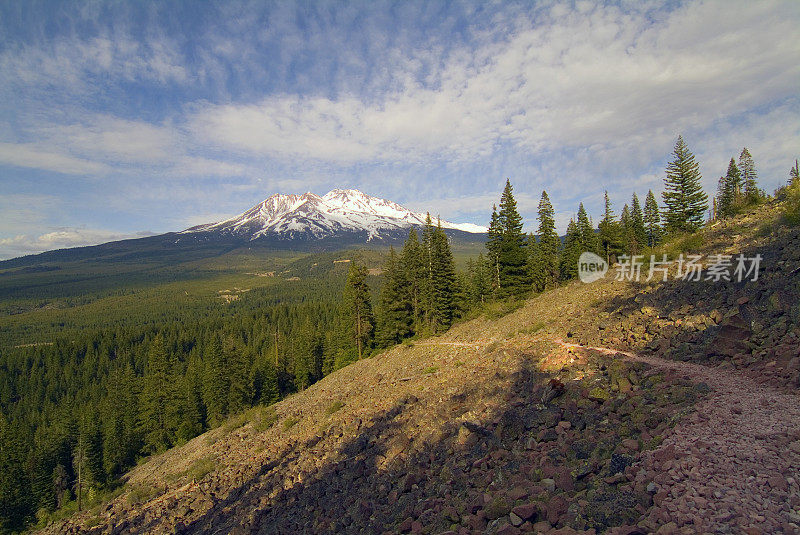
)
(638, 229)
(414, 274)
(610, 233)
(628, 242)
(358, 308)
(794, 173)
(512, 257)
(749, 177)
(396, 312)
(480, 280)
(216, 385)
(159, 402)
(572, 252)
(15, 497)
(652, 220)
(494, 237)
(192, 416)
(443, 281)
(544, 251)
(684, 199)
(729, 191)
(588, 238)
(238, 371)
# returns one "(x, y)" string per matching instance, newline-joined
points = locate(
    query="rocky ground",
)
(667, 408)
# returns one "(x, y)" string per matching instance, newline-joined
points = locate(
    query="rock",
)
(731, 336)
(528, 511)
(548, 484)
(514, 519)
(599, 394)
(777, 481)
(552, 390)
(556, 508)
(631, 444)
(652, 488)
(619, 463)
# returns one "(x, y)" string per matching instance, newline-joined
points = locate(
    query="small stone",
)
(652, 488)
(631, 444)
(549, 484)
(777, 481)
(515, 520)
(527, 511)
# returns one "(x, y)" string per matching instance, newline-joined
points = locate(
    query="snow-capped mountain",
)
(337, 213)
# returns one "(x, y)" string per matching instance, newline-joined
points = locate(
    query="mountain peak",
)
(308, 216)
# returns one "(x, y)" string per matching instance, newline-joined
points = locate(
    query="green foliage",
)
(264, 418)
(791, 211)
(142, 492)
(684, 199)
(512, 255)
(729, 191)
(652, 220)
(752, 194)
(544, 251)
(334, 407)
(430, 369)
(290, 422)
(396, 313)
(610, 232)
(357, 309)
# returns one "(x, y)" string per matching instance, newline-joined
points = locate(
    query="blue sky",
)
(119, 119)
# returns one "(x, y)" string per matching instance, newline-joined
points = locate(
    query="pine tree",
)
(684, 199)
(414, 274)
(794, 174)
(15, 496)
(638, 230)
(749, 177)
(610, 233)
(572, 252)
(238, 371)
(216, 384)
(512, 256)
(358, 308)
(192, 416)
(426, 286)
(652, 220)
(628, 241)
(443, 281)
(544, 251)
(587, 237)
(480, 281)
(95, 473)
(729, 191)
(159, 401)
(396, 318)
(494, 237)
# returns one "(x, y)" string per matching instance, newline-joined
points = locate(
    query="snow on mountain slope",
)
(311, 216)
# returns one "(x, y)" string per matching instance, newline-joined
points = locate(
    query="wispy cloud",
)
(160, 112)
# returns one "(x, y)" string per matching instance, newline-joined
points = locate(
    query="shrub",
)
(290, 422)
(791, 211)
(335, 406)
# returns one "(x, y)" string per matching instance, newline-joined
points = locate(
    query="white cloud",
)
(612, 82)
(24, 244)
(36, 156)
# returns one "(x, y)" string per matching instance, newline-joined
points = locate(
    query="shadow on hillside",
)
(697, 320)
(378, 478)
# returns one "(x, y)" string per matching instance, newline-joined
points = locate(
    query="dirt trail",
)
(734, 465)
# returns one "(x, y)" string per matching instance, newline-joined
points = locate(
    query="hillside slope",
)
(616, 406)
